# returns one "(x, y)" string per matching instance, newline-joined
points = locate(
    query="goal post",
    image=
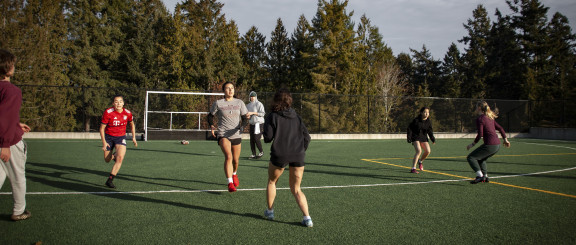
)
(170, 108)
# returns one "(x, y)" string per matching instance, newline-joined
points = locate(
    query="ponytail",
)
(487, 111)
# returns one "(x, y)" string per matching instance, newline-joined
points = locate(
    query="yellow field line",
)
(401, 158)
(462, 177)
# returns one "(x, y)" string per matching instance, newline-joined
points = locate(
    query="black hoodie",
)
(290, 136)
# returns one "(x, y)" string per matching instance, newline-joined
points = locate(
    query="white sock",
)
(229, 180)
(234, 173)
(306, 217)
(479, 173)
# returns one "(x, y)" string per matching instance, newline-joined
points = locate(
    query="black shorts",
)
(291, 164)
(114, 140)
(232, 141)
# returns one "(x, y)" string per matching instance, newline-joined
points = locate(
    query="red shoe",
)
(420, 165)
(235, 180)
(413, 171)
(231, 187)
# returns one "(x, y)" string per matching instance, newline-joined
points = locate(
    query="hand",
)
(506, 143)
(5, 154)
(134, 141)
(212, 131)
(104, 148)
(25, 127)
(470, 146)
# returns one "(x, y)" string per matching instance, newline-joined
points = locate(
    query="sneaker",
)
(21, 216)
(260, 154)
(414, 171)
(478, 180)
(231, 187)
(486, 180)
(307, 222)
(110, 184)
(235, 180)
(252, 156)
(269, 214)
(420, 165)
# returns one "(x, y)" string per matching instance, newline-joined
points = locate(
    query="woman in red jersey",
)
(113, 135)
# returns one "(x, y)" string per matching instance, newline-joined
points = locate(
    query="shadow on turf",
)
(174, 152)
(84, 186)
(60, 172)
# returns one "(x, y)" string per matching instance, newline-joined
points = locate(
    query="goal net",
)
(177, 115)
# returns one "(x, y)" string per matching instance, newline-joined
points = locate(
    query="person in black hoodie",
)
(290, 139)
(418, 133)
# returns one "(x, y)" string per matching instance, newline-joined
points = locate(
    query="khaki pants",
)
(14, 169)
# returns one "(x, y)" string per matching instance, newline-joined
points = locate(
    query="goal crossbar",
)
(146, 111)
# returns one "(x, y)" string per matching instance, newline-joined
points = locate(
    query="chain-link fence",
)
(79, 109)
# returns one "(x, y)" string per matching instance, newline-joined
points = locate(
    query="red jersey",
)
(116, 121)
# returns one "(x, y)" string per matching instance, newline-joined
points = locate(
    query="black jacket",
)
(288, 135)
(419, 130)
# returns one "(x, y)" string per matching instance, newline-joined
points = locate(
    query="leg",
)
(15, 170)
(236, 149)
(479, 156)
(274, 174)
(418, 151)
(108, 156)
(120, 153)
(252, 140)
(426, 147)
(226, 148)
(296, 174)
(258, 143)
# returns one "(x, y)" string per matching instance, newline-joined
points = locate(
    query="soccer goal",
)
(171, 115)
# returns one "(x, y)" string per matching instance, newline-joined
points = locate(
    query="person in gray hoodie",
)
(290, 139)
(256, 111)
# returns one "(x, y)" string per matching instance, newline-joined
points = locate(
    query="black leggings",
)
(255, 140)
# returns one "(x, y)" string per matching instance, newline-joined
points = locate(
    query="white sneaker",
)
(307, 222)
(260, 154)
(252, 157)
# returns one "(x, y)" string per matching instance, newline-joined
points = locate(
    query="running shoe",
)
(414, 171)
(269, 214)
(420, 165)
(307, 223)
(252, 156)
(478, 180)
(231, 187)
(235, 180)
(486, 180)
(260, 154)
(110, 184)
(25, 215)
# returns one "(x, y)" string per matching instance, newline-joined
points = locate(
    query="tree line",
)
(130, 44)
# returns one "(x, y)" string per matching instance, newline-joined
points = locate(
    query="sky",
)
(403, 24)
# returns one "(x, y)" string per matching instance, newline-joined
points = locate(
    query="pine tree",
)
(562, 50)
(279, 57)
(303, 61)
(334, 37)
(426, 77)
(474, 59)
(253, 46)
(452, 76)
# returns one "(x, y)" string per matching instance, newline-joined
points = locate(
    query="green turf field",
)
(359, 192)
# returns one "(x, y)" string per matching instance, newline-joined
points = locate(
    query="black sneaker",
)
(478, 180)
(486, 180)
(110, 184)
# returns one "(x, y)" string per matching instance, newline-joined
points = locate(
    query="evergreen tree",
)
(207, 46)
(303, 61)
(562, 49)
(279, 57)
(452, 76)
(95, 39)
(334, 38)
(505, 66)
(253, 46)
(426, 76)
(529, 19)
(474, 59)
